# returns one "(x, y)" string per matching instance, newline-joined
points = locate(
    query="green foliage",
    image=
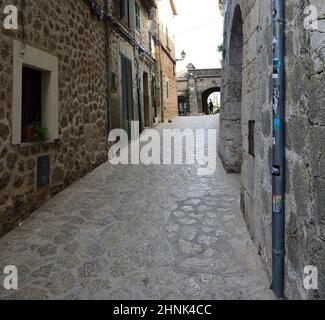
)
(216, 110)
(222, 50)
(40, 132)
(187, 95)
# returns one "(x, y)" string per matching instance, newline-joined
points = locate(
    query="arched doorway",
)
(231, 141)
(205, 97)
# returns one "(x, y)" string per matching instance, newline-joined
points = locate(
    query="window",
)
(31, 97)
(150, 42)
(123, 9)
(127, 13)
(113, 82)
(127, 94)
(137, 16)
(167, 36)
(35, 93)
(251, 138)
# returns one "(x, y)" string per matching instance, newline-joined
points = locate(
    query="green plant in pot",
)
(40, 132)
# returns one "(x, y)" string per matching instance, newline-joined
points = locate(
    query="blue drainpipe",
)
(278, 169)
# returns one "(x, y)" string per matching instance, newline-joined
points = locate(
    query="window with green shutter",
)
(127, 93)
(124, 10)
(150, 42)
(137, 16)
(127, 12)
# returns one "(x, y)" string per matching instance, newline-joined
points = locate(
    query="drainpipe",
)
(139, 104)
(278, 169)
(108, 35)
(162, 94)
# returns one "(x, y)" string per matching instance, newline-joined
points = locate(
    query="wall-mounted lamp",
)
(183, 56)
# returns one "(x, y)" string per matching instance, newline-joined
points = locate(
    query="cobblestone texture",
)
(139, 232)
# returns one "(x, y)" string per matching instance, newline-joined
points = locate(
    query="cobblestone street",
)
(139, 232)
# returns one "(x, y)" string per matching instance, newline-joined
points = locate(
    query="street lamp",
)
(183, 56)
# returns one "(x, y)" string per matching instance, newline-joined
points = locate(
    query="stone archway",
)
(205, 96)
(199, 82)
(231, 141)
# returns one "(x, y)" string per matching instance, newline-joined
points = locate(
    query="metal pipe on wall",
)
(278, 169)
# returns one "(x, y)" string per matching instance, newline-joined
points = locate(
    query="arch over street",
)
(199, 83)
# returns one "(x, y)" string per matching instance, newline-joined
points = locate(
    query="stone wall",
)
(170, 103)
(201, 83)
(118, 46)
(67, 30)
(166, 52)
(305, 79)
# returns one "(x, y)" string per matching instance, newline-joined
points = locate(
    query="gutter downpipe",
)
(108, 35)
(278, 169)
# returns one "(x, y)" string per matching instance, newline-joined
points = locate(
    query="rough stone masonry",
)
(66, 30)
(247, 99)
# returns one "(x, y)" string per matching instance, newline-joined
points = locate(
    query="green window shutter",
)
(137, 15)
(127, 93)
(130, 89)
(150, 42)
(131, 14)
(167, 89)
(123, 8)
(124, 91)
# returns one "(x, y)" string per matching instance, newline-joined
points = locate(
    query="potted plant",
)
(28, 134)
(40, 132)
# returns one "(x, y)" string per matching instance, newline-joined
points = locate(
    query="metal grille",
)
(43, 171)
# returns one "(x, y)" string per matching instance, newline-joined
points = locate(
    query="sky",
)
(198, 31)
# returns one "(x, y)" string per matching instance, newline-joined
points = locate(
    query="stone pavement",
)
(139, 232)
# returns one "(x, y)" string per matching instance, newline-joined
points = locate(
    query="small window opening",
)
(251, 138)
(31, 102)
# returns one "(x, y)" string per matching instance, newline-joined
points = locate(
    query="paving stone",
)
(187, 208)
(188, 233)
(202, 265)
(191, 202)
(192, 288)
(187, 222)
(206, 240)
(137, 232)
(47, 250)
(189, 248)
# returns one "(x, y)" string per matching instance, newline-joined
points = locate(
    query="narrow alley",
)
(139, 232)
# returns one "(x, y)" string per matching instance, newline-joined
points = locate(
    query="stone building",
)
(132, 64)
(166, 61)
(198, 84)
(246, 130)
(53, 71)
(77, 69)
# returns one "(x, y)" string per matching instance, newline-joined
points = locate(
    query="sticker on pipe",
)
(276, 171)
(277, 124)
(277, 204)
(276, 99)
(276, 68)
